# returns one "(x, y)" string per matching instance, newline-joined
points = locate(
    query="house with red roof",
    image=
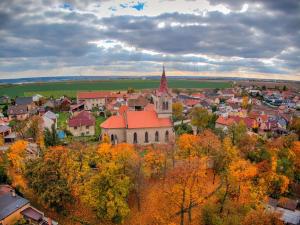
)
(96, 99)
(151, 125)
(82, 124)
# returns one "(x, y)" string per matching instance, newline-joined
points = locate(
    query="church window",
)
(167, 136)
(135, 138)
(156, 136)
(146, 137)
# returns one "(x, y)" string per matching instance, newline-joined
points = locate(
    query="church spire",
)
(163, 82)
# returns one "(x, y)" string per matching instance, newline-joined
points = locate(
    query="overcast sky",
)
(191, 37)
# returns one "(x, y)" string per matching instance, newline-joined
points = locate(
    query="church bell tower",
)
(162, 98)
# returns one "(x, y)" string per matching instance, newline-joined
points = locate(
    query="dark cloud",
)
(38, 32)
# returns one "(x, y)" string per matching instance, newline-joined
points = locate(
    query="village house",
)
(151, 125)
(13, 208)
(17, 112)
(82, 124)
(49, 119)
(96, 99)
(225, 122)
(25, 101)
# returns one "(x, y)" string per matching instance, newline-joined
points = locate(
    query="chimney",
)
(13, 193)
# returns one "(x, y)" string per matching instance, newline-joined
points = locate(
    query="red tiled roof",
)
(146, 119)
(114, 122)
(122, 109)
(191, 102)
(250, 123)
(83, 118)
(198, 95)
(224, 121)
(136, 119)
(149, 107)
(95, 94)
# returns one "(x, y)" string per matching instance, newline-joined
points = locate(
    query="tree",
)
(245, 102)
(1, 140)
(188, 146)
(47, 180)
(295, 126)
(237, 132)
(262, 217)
(200, 118)
(4, 179)
(107, 192)
(17, 154)
(51, 137)
(154, 163)
(177, 108)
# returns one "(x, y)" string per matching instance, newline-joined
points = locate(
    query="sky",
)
(214, 38)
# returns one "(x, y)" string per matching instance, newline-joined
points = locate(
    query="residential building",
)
(82, 124)
(49, 119)
(18, 112)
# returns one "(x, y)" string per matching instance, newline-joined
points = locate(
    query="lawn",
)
(70, 88)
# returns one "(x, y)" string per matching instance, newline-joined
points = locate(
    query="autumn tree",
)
(237, 132)
(245, 102)
(17, 154)
(262, 217)
(154, 162)
(177, 109)
(200, 118)
(188, 146)
(107, 191)
(1, 140)
(295, 125)
(47, 180)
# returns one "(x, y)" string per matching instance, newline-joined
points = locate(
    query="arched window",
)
(112, 139)
(135, 138)
(167, 136)
(167, 105)
(146, 137)
(156, 136)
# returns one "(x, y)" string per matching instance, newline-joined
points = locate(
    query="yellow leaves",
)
(177, 109)
(1, 140)
(229, 148)
(16, 154)
(242, 170)
(188, 145)
(154, 163)
(245, 102)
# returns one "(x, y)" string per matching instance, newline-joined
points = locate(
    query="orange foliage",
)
(209, 142)
(188, 145)
(16, 154)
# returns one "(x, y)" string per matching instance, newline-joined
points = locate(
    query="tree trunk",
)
(182, 208)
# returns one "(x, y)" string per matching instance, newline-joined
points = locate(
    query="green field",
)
(70, 88)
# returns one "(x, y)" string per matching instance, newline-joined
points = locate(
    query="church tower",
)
(162, 98)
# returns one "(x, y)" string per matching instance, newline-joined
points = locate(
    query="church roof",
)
(163, 87)
(135, 120)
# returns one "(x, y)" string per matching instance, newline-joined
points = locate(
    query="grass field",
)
(70, 88)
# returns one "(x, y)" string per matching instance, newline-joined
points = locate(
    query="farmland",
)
(70, 88)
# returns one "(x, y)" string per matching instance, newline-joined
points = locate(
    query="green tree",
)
(237, 132)
(51, 137)
(177, 109)
(107, 192)
(46, 179)
(200, 118)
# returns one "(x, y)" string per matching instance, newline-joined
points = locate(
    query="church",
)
(152, 125)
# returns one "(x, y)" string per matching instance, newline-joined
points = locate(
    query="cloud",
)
(216, 36)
